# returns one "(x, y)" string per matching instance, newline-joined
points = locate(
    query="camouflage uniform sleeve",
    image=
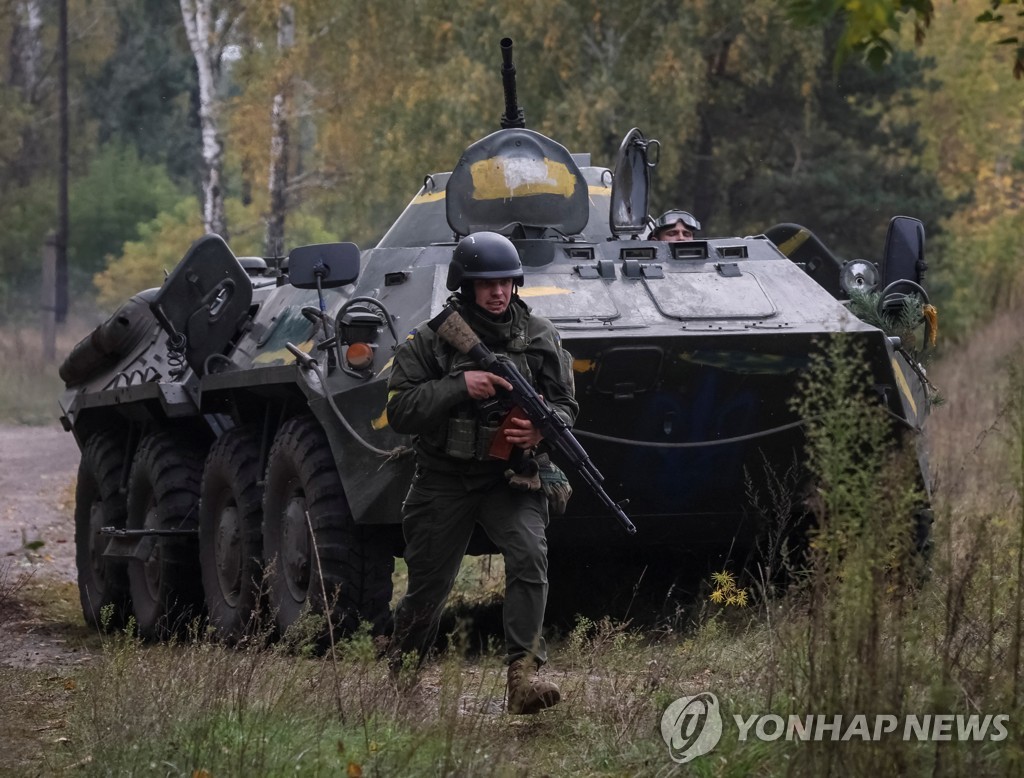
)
(556, 380)
(420, 394)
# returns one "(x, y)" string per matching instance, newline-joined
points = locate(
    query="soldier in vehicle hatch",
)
(454, 409)
(675, 226)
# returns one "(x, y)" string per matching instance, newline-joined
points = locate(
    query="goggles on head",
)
(669, 218)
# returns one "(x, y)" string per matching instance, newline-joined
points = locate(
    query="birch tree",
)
(26, 75)
(206, 27)
(26, 52)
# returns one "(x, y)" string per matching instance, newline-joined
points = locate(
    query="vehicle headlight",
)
(859, 275)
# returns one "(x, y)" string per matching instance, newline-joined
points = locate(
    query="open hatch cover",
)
(517, 178)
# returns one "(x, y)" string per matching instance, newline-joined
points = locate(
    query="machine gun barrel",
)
(513, 116)
(450, 326)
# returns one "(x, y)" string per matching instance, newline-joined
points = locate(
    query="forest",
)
(318, 120)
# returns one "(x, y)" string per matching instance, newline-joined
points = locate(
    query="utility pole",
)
(61, 302)
(48, 299)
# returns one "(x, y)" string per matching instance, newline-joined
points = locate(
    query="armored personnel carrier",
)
(236, 453)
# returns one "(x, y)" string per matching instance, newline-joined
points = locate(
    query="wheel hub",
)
(96, 522)
(228, 550)
(151, 567)
(295, 548)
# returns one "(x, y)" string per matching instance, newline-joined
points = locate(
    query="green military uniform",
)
(456, 484)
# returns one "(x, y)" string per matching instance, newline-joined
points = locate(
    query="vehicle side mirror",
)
(903, 257)
(323, 265)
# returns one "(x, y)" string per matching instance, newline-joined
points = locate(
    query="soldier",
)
(451, 407)
(675, 226)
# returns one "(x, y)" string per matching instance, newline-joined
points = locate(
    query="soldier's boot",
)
(403, 668)
(527, 693)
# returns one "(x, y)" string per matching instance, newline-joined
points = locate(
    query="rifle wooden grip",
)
(500, 447)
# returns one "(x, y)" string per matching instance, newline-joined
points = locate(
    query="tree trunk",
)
(203, 39)
(704, 185)
(26, 76)
(277, 182)
(26, 52)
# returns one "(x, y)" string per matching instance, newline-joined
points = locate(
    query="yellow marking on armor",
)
(904, 386)
(428, 197)
(542, 291)
(281, 355)
(381, 421)
(787, 247)
(501, 178)
(583, 365)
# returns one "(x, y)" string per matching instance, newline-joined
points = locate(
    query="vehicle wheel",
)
(100, 503)
(163, 493)
(355, 562)
(231, 534)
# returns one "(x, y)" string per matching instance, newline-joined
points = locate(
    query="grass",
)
(854, 635)
(28, 394)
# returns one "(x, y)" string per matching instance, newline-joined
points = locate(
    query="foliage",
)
(975, 263)
(118, 193)
(144, 262)
(757, 123)
(867, 24)
(26, 217)
(725, 591)
(162, 242)
(900, 317)
(811, 145)
(28, 148)
(142, 93)
(754, 126)
(996, 15)
(870, 27)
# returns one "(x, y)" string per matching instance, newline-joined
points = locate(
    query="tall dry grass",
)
(857, 635)
(29, 384)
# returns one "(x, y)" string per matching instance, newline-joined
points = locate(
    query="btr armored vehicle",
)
(236, 453)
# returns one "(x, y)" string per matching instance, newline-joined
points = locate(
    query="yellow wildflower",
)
(723, 579)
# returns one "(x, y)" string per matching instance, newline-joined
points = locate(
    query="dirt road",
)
(38, 466)
(37, 477)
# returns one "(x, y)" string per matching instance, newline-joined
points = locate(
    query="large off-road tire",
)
(356, 563)
(99, 503)
(231, 533)
(163, 493)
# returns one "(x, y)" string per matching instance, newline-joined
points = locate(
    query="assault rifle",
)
(450, 326)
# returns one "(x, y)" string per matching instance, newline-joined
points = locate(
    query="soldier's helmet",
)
(669, 218)
(484, 255)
